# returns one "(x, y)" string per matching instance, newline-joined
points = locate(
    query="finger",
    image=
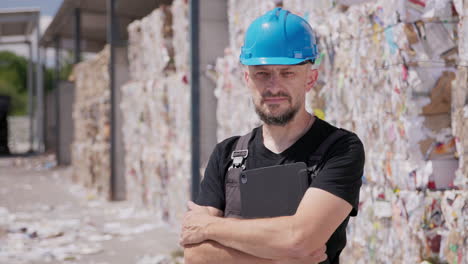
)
(191, 205)
(318, 258)
(188, 205)
(323, 257)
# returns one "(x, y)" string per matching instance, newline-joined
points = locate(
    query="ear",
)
(246, 75)
(312, 76)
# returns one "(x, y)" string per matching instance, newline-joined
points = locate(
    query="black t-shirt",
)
(340, 174)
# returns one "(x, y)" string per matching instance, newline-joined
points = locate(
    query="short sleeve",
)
(341, 175)
(211, 191)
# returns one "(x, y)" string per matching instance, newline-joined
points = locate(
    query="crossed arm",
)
(209, 238)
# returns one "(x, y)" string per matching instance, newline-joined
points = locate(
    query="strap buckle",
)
(238, 157)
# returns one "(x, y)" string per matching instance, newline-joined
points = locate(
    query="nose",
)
(273, 83)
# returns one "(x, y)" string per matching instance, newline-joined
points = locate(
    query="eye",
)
(262, 74)
(288, 74)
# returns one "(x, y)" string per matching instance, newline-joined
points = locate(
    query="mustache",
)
(269, 94)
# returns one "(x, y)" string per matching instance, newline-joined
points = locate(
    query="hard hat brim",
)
(272, 61)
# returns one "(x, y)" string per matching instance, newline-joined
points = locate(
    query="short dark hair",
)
(305, 62)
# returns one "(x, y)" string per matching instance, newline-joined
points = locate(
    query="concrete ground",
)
(45, 218)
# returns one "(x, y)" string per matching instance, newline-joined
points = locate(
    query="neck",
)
(279, 138)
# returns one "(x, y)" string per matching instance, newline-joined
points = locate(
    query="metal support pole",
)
(40, 92)
(77, 35)
(195, 94)
(30, 83)
(57, 100)
(111, 40)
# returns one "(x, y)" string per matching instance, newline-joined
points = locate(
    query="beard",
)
(277, 120)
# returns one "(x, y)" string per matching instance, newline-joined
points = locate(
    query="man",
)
(278, 49)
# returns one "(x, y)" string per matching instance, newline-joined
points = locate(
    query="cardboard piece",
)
(441, 95)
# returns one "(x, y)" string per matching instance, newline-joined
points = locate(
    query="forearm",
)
(211, 252)
(276, 238)
(271, 238)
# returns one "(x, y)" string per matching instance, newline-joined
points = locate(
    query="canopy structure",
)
(17, 26)
(87, 21)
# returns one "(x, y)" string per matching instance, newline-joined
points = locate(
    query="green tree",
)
(14, 74)
(13, 81)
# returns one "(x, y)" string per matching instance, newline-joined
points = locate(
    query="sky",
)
(48, 9)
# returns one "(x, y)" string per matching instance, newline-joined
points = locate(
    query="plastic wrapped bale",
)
(91, 122)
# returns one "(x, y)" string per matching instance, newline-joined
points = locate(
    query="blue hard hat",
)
(279, 37)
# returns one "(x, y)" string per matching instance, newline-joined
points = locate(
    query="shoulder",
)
(348, 145)
(345, 159)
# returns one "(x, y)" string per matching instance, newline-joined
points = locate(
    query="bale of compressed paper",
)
(156, 113)
(150, 45)
(157, 142)
(408, 226)
(90, 148)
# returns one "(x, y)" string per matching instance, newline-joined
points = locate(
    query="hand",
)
(317, 256)
(194, 224)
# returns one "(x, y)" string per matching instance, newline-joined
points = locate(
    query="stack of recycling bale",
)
(156, 112)
(91, 119)
(387, 73)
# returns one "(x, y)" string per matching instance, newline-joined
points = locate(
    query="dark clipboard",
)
(273, 191)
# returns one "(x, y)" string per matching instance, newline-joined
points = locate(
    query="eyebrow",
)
(260, 67)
